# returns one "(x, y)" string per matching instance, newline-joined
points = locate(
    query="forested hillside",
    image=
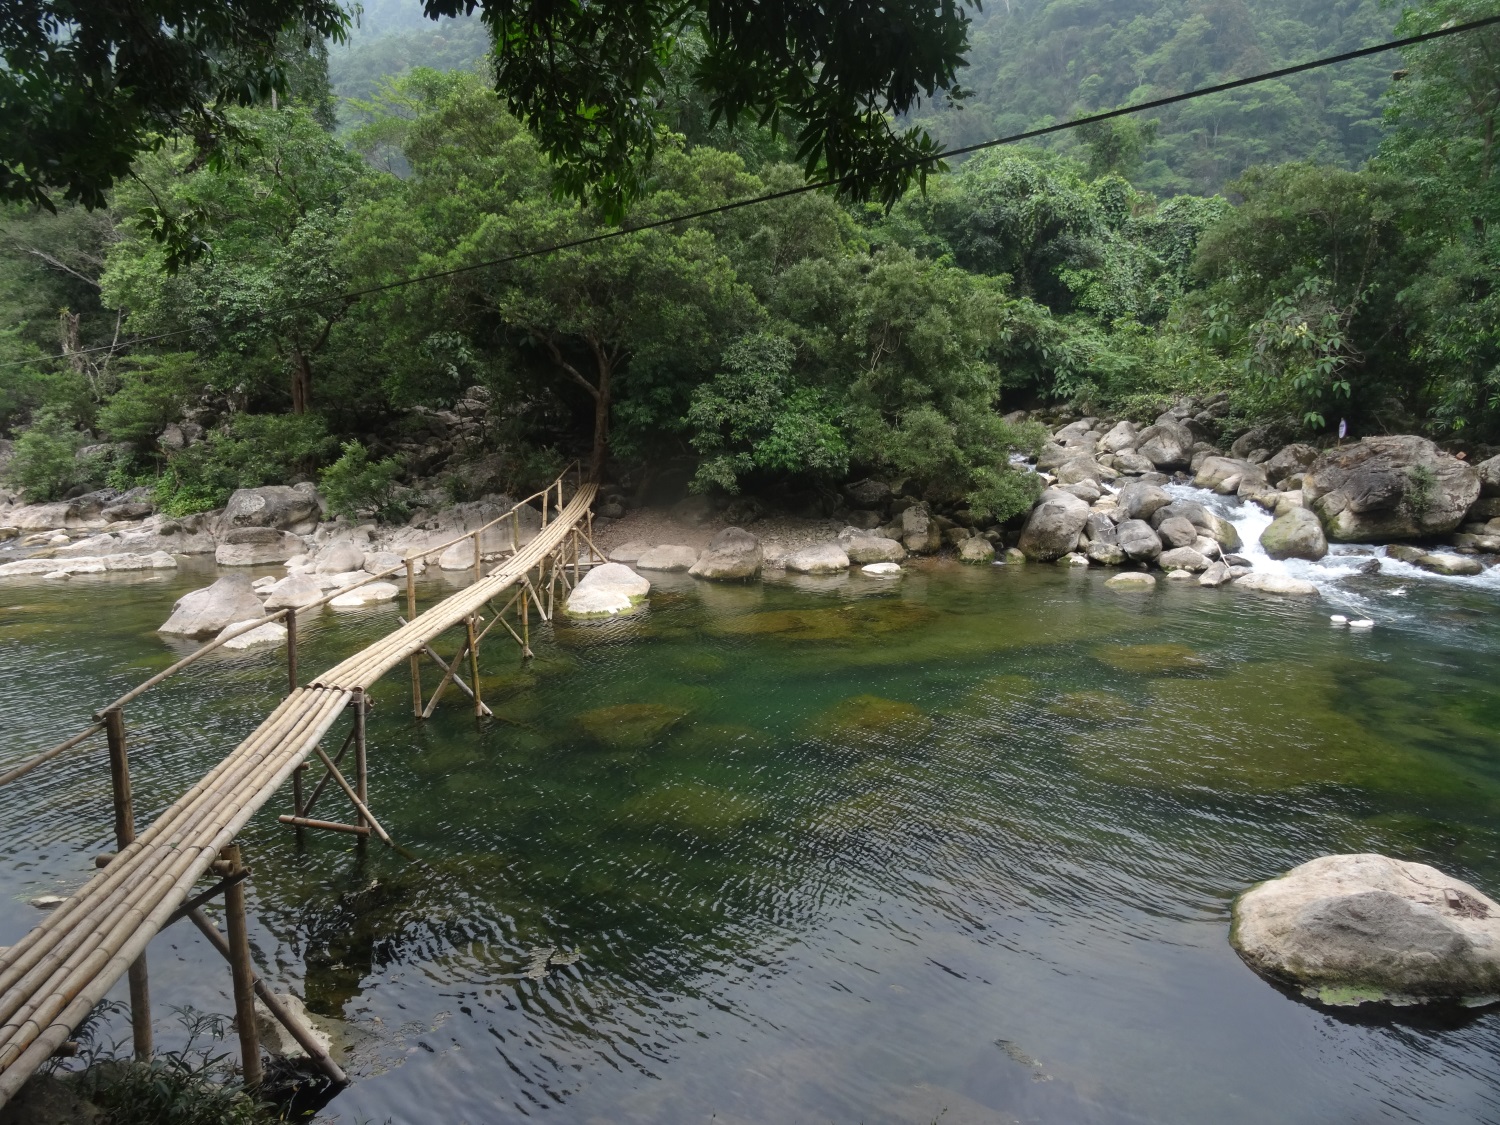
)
(775, 348)
(1037, 61)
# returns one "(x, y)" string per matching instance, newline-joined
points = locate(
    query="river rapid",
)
(954, 847)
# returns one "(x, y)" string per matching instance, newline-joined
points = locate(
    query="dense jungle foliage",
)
(1346, 271)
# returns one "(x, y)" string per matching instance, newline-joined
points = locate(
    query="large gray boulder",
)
(820, 558)
(1139, 542)
(920, 532)
(1167, 445)
(273, 505)
(668, 557)
(1489, 477)
(1183, 558)
(294, 592)
(1385, 488)
(733, 554)
(1289, 460)
(1354, 928)
(863, 547)
(1122, 437)
(606, 590)
(257, 546)
(1054, 526)
(205, 612)
(341, 556)
(1141, 501)
(1295, 535)
(1081, 469)
(1178, 531)
(1227, 475)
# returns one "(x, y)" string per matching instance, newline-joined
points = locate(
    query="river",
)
(956, 847)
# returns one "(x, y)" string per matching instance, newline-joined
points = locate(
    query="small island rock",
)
(1354, 928)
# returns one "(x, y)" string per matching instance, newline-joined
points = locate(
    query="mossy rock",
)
(1153, 659)
(865, 720)
(1007, 688)
(856, 620)
(629, 726)
(692, 806)
(1092, 706)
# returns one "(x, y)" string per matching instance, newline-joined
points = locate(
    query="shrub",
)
(45, 461)
(354, 485)
(193, 1086)
(152, 392)
(251, 450)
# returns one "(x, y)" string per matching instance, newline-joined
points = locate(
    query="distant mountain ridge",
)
(1033, 62)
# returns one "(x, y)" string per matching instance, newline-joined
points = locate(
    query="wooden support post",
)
(291, 650)
(411, 615)
(243, 972)
(478, 566)
(360, 702)
(297, 805)
(119, 776)
(299, 1031)
(526, 621)
(479, 707)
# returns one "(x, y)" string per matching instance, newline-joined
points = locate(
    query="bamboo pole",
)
(47, 755)
(119, 776)
(297, 806)
(478, 564)
(291, 651)
(301, 822)
(299, 1031)
(361, 765)
(324, 780)
(366, 816)
(474, 669)
(416, 661)
(243, 971)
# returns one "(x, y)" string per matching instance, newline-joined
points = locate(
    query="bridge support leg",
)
(416, 660)
(361, 704)
(119, 776)
(479, 707)
(242, 970)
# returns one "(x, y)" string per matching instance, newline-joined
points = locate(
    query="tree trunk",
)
(601, 419)
(301, 382)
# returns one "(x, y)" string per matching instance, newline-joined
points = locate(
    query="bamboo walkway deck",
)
(52, 978)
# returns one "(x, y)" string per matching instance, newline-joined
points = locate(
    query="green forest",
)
(1317, 249)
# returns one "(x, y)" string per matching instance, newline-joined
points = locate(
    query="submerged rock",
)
(607, 590)
(1356, 928)
(1451, 565)
(1276, 584)
(205, 612)
(1133, 580)
(629, 726)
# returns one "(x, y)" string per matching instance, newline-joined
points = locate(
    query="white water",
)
(1337, 577)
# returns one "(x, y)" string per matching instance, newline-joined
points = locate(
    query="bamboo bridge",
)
(55, 975)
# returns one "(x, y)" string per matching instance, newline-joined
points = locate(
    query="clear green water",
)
(957, 848)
